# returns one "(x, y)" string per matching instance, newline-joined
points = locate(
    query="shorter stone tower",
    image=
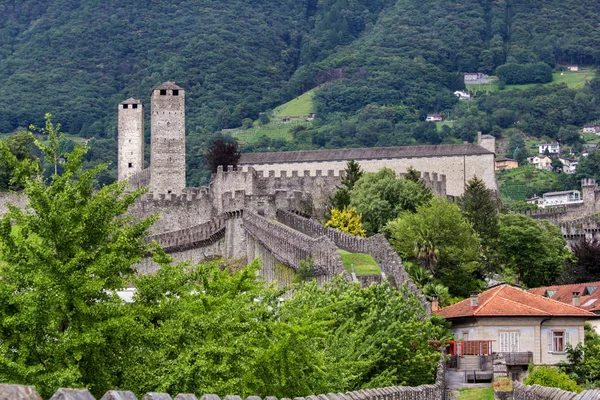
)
(167, 151)
(131, 138)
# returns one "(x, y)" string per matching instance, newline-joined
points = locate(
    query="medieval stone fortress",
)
(260, 209)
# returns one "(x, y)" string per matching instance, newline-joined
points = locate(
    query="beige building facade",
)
(459, 163)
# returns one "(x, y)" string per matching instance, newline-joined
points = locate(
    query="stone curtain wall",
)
(16, 199)
(377, 246)
(290, 247)
(536, 392)
(435, 391)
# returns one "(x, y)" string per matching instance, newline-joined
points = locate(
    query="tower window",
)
(175, 92)
(125, 105)
(163, 92)
(134, 106)
(130, 165)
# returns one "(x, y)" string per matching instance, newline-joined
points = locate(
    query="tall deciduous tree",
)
(442, 240)
(346, 220)
(585, 265)
(382, 196)
(222, 153)
(536, 250)
(61, 260)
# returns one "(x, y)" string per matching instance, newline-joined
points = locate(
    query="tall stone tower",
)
(131, 138)
(167, 152)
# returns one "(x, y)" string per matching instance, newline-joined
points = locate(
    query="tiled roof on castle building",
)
(589, 294)
(168, 85)
(131, 100)
(364, 153)
(508, 301)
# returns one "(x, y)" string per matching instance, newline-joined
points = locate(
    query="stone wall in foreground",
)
(424, 392)
(536, 392)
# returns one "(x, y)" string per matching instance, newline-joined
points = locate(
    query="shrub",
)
(550, 377)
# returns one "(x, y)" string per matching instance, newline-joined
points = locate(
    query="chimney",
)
(435, 304)
(474, 301)
(576, 299)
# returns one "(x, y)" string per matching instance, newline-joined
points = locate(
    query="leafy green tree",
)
(17, 162)
(585, 264)
(61, 260)
(382, 196)
(442, 240)
(341, 198)
(222, 152)
(536, 250)
(51, 147)
(481, 207)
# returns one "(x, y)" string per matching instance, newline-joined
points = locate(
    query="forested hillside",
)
(380, 65)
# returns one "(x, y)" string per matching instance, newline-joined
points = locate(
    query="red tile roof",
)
(589, 292)
(509, 301)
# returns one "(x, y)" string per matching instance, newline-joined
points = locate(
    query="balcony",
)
(518, 358)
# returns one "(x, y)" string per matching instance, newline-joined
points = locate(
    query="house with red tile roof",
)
(585, 296)
(517, 323)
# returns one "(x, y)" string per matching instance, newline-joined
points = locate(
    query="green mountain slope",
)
(380, 65)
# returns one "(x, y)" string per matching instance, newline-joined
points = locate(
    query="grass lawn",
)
(477, 394)
(440, 124)
(363, 263)
(274, 130)
(574, 80)
(298, 107)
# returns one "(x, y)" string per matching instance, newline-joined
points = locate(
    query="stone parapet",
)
(435, 391)
(139, 179)
(536, 392)
(377, 246)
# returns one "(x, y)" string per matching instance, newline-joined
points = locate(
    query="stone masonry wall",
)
(457, 169)
(139, 179)
(377, 246)
(536, 392)
(290, 247)
(16, 199)
(434, 391)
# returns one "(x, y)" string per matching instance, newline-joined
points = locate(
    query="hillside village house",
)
(573, 68)
(569, 165)
(462, 95)
(592, 128)
(552, 199)
(583, 295)
(473, 76)
(541, 162)
(502, 164)
(434, 117)
(519, 324)
(553, 148)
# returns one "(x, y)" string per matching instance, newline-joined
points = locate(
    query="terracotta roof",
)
(589, 292)
(509, 301)
(131, 100)
(168, 85)
(363, 153)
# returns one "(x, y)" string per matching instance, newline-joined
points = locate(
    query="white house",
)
(521, 325)
(553, 148)
(434, 117)
(569, 165)
(541, 162)
(473, 76)
(591, 128)
(462, 95)
(566, 197)
(573, 68)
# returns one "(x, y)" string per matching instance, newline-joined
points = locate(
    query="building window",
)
(509, 342)
(557, 341)
(175, 92)
(134, 106)
(125, 105)
(130, 165)
(163, 92)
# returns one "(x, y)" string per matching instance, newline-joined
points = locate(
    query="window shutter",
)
(567, 339)
(550, 342)
(516, 342)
